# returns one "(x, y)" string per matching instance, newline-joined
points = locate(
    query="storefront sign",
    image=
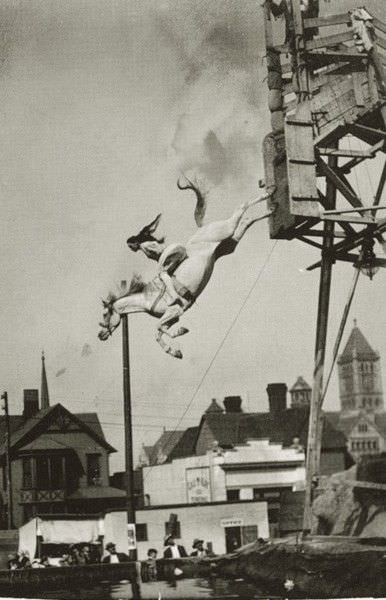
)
(233, 522)
(198, 485)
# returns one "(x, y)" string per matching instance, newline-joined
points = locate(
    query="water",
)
(183, 589)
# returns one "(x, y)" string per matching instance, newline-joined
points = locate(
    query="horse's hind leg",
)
(173, 333)
(171, 316)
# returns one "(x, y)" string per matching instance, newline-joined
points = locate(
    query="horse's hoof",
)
(178, 354)
(183, 330)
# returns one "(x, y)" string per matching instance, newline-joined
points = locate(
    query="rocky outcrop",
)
(342, 509)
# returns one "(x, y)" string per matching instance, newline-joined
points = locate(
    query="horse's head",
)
(111, 318)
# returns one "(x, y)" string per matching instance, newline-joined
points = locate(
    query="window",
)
(141, 532)
(93, 469)
(362, 427)
(57, 474)
(42, 473)
(174, 528)
(233, 495)
(27, 473)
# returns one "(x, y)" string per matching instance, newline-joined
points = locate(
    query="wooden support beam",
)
(371, 152)
(351, 210)
(341, 19)
(341, 185)
(354, 241)
(310, 242)
(381, 186)
(367, 134)
(320, 233)
(315, 423)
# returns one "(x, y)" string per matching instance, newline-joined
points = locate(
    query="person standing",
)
(172, 549)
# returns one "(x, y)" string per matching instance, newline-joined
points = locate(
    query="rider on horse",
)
(168, 258)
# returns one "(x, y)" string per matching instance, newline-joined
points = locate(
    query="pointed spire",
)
(44, 397)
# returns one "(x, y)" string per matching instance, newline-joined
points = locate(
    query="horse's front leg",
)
(170, 317)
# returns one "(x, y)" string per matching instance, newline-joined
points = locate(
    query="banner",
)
(198, 485)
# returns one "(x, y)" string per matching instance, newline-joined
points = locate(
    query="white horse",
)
(184, 273)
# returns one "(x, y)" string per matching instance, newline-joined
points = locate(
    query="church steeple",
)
(360, 382)
(44, 396)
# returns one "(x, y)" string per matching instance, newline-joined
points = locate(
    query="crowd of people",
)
(82, 554)
(76, 554)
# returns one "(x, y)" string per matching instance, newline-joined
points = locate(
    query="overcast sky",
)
(102, 104)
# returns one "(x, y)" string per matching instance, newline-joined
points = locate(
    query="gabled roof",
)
(230, 429)
(30, 429)
(164, 446)
(300, 384)
(358, 345)
(185, 445)
(347, 424)
(214, 407)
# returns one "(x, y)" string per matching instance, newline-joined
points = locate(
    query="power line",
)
(227, 332)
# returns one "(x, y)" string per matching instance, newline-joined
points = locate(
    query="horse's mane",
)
(137, 284)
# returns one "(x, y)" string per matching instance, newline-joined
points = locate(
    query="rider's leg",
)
(167, 280)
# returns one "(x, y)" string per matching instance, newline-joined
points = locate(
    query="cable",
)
(227, 332)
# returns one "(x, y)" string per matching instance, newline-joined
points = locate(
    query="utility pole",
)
(130, 498)
(4, 397)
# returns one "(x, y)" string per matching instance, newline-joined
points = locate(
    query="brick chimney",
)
(31, 403)
(232, 404)
(277, 397)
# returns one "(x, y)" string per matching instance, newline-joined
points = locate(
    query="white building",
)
(256, 470)
(223, 526)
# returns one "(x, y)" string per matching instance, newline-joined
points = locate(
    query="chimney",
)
(31, 403)
(277, 397)
(232, 404)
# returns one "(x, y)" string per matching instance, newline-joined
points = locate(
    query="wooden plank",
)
(358, 89)
(341, 19)
(379, 24)
(380, 42)
(329, 40)
(347, 219)
(324, 58)
(282, 48)
(344, 153)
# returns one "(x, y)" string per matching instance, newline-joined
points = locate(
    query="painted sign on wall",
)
(198, 485)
